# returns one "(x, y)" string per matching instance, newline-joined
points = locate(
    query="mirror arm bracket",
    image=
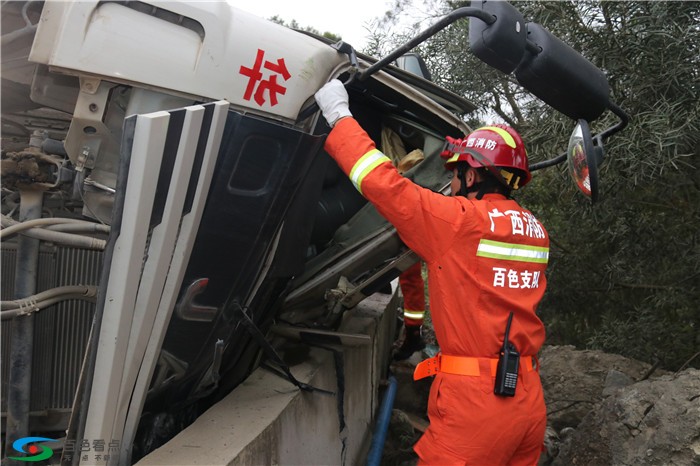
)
(429, 32)
(548, 163)
(599, 138)
(624, 120)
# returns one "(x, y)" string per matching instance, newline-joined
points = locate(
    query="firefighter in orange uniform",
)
(486, 258)
(413, 290)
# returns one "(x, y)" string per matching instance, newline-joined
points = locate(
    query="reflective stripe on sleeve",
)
(513, 252)
(365, 165)
(413, 314)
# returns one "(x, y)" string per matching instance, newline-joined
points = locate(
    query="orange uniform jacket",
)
(485, 258)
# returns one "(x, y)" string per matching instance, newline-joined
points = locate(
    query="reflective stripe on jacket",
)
(413, 289)
(485, 257)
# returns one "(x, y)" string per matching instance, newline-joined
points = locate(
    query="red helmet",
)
(492, 146)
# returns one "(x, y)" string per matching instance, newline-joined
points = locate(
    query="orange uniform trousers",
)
(469, 425)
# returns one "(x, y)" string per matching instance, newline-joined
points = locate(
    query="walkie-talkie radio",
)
(508, 363)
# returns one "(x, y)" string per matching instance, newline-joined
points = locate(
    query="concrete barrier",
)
(267, 420)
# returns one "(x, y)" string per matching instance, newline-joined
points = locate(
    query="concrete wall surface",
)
(268, 421)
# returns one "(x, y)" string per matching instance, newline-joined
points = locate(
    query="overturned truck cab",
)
(169, 217)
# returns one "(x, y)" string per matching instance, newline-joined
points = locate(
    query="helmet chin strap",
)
(478, 187)
(462, 177)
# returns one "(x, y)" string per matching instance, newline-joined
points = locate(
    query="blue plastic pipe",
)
(374, 457)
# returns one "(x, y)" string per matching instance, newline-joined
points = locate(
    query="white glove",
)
(332, 99)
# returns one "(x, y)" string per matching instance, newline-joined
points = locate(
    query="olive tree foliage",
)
(624, 273)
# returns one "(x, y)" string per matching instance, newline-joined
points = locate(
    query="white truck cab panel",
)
(204, 50)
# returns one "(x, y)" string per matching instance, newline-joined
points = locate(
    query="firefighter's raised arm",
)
(399, 200)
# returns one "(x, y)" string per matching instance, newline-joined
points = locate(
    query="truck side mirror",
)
(500, 44)
(562, 77)
(414, 63)
(583, 159)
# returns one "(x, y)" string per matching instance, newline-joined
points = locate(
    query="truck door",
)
(205, 196)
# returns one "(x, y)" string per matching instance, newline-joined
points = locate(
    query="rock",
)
(552, 442)
(576, 381)
(614, 381)
(646, 423)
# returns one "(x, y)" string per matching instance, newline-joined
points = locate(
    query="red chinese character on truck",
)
(257, 86)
